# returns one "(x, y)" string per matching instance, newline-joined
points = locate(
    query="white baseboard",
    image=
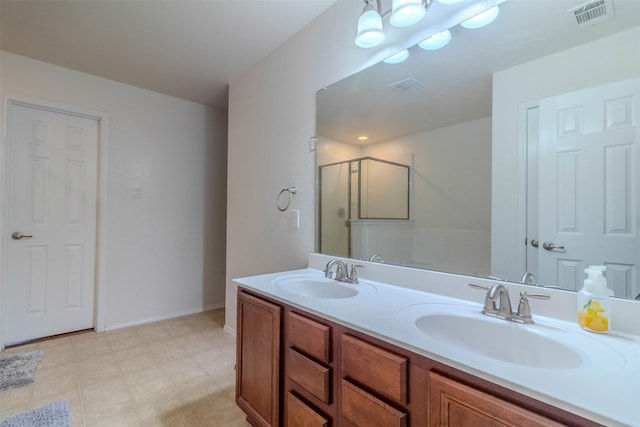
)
(164, 317)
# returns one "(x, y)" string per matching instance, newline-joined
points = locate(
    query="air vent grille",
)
(592, 12)
(406, 85)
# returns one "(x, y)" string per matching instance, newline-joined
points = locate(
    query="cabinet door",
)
(454, 404)
(258, 360)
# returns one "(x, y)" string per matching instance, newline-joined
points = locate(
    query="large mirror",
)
(522, 145)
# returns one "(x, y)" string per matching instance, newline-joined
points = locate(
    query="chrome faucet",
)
(498, 293)
(376, 258)
(529, 279)
(343, 272)
(341, 269)
(498, 304)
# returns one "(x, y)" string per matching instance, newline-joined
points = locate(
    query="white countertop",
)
(605, 391)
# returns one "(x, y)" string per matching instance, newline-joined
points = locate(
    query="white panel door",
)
(589, 183)
(52, 198)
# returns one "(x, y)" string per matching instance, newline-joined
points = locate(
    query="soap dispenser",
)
(594, 305)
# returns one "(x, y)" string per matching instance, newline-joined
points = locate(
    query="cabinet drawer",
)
(309, 337)
(310, 375)
(363, 409)
(299, 414)
(379, 369)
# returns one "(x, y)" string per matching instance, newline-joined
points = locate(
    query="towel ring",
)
(283, 206)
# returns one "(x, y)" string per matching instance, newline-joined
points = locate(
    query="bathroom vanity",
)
(316, 352)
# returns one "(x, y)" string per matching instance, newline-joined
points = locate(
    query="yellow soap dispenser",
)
(594, 305)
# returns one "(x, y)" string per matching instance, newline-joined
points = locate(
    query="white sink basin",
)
(451, 329)
(498, 339)
(312, 286)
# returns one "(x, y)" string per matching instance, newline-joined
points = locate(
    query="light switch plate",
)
(135, 192)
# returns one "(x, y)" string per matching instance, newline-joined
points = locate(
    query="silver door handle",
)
(16, 235)
(534, 243)
(551, 246)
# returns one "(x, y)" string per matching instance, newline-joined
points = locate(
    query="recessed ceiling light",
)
(363, 138)
(481, 19)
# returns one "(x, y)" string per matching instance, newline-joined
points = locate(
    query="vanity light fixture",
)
(436, 41)
(363, 138)
(370, 32)
(403, 13)
(398, 57)
(483, 18)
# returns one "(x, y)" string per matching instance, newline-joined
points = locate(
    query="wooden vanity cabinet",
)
(258, 360)
(296, 369)
(309, 371)
(452, 404)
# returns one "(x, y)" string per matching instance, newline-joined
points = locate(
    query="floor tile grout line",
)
(132, 401)
(77, 371)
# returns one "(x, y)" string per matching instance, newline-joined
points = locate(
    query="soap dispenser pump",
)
(594, 305)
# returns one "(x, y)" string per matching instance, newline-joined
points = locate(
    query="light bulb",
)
(397, 58)
(481, 19)
(436, 41)
(406, 12)
(370, 32)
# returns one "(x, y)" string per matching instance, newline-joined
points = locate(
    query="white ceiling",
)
(190, 49)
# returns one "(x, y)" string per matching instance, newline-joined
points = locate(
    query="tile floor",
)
(177, 372)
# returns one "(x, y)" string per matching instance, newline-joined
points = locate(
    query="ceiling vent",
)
(406, 85)
(592, 13)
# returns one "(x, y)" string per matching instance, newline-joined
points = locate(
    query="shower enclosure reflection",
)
(357, 194)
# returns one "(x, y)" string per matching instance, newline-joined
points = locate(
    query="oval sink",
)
(498, 339)
(316, 287)
(461, 332)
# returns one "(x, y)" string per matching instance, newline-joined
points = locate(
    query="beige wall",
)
(271, 118)
(165, 252)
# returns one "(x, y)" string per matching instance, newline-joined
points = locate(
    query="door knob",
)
(534, 243)
(16, 235)
(551, 246)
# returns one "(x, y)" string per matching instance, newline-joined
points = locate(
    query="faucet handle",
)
(489, 303)
(481, 287)
(524, 309)
(353, 275)
(525, 294)
(341, 271)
